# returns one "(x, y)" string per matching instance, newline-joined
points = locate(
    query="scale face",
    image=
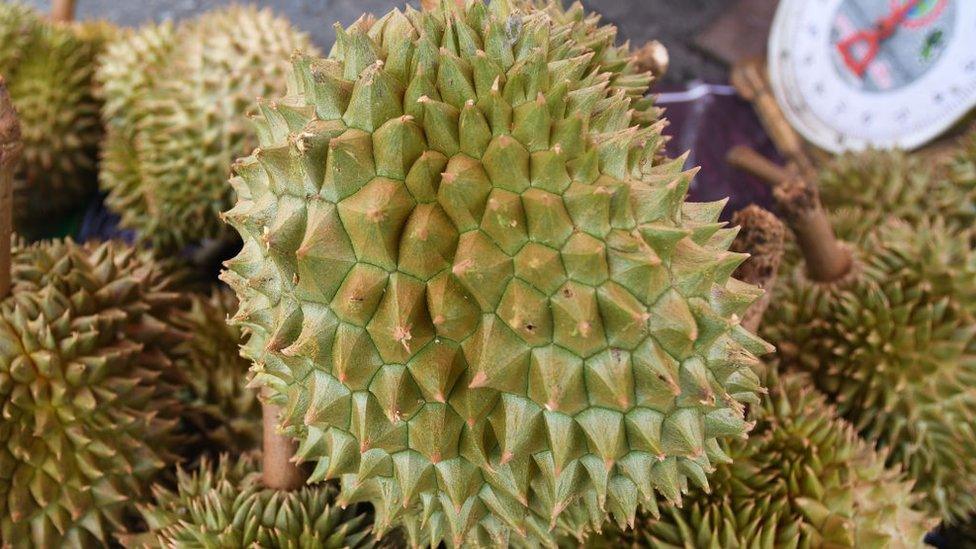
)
(852, 74)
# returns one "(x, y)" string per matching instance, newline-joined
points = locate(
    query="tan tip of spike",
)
(407, 118)
(540, 99)
(496, 85)
(480, 53)
(448, 177)
(469, 103)
(479, 380)
(506, 457)
(423, 99)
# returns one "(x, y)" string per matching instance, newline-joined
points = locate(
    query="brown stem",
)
(750, 161)
(761, 235)
(279, 470)
(653, 57)
(827, 260)
(749, 79)
(10, 147)
(63, 11)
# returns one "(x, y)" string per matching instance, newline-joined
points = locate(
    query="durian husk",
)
(803, 478)
(86, 391)
(474, 288)
(177, 100)
(894, 345)
(221, 413)
(50, 70)
(877, 185)
(223, 504)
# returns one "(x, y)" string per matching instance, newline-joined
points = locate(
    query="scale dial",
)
(852, 74)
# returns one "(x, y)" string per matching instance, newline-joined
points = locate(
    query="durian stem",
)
(10, 147)
(63, 11)
(750, 161)
(761, 235)
(653, 57)
(799, 202)
(279, 471)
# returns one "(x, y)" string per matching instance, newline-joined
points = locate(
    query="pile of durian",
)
(469, 303)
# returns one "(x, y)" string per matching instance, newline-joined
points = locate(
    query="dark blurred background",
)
(674, 22)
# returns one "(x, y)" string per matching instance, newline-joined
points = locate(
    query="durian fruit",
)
(894, 345)
(476, 293)
(49, 70)
(875, 185)
(176, 100)
(88, 419)
(225, 505)
(222, 413)
(802, 479)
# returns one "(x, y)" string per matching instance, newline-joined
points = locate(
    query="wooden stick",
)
(63, 11)
(10, 147)
(761, 235)
(279, 470)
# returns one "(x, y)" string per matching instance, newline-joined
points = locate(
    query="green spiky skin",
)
(894, 345)
(224, 415)
(480, 300)
(225, 505)
(87, 419)
(614, 59)
(876, 185)
(176, 100)
(49, 71)
(803, 479)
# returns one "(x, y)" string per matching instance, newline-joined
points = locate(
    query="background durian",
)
(49, 69)
(176, 104)
(89, 412)
(224, 504)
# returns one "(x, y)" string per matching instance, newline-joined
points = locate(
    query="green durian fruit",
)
(223, 414)
(960, 205)
(49, 69)
(88, 418)
(894, 345)
(176, 100)
(802, 479)
(225, 505)
(876, 185)
(476, 293)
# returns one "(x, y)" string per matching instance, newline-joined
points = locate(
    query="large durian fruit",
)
(474, 289)
(176, 99)
(88, 415)
(894, 345)
(804, 478)
(221, 413)
(224, 504)
(49, 69)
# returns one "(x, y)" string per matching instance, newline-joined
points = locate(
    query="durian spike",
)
(761, 235)
(10, 147)
(279, 471)
(827, 260)
(63, 11)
